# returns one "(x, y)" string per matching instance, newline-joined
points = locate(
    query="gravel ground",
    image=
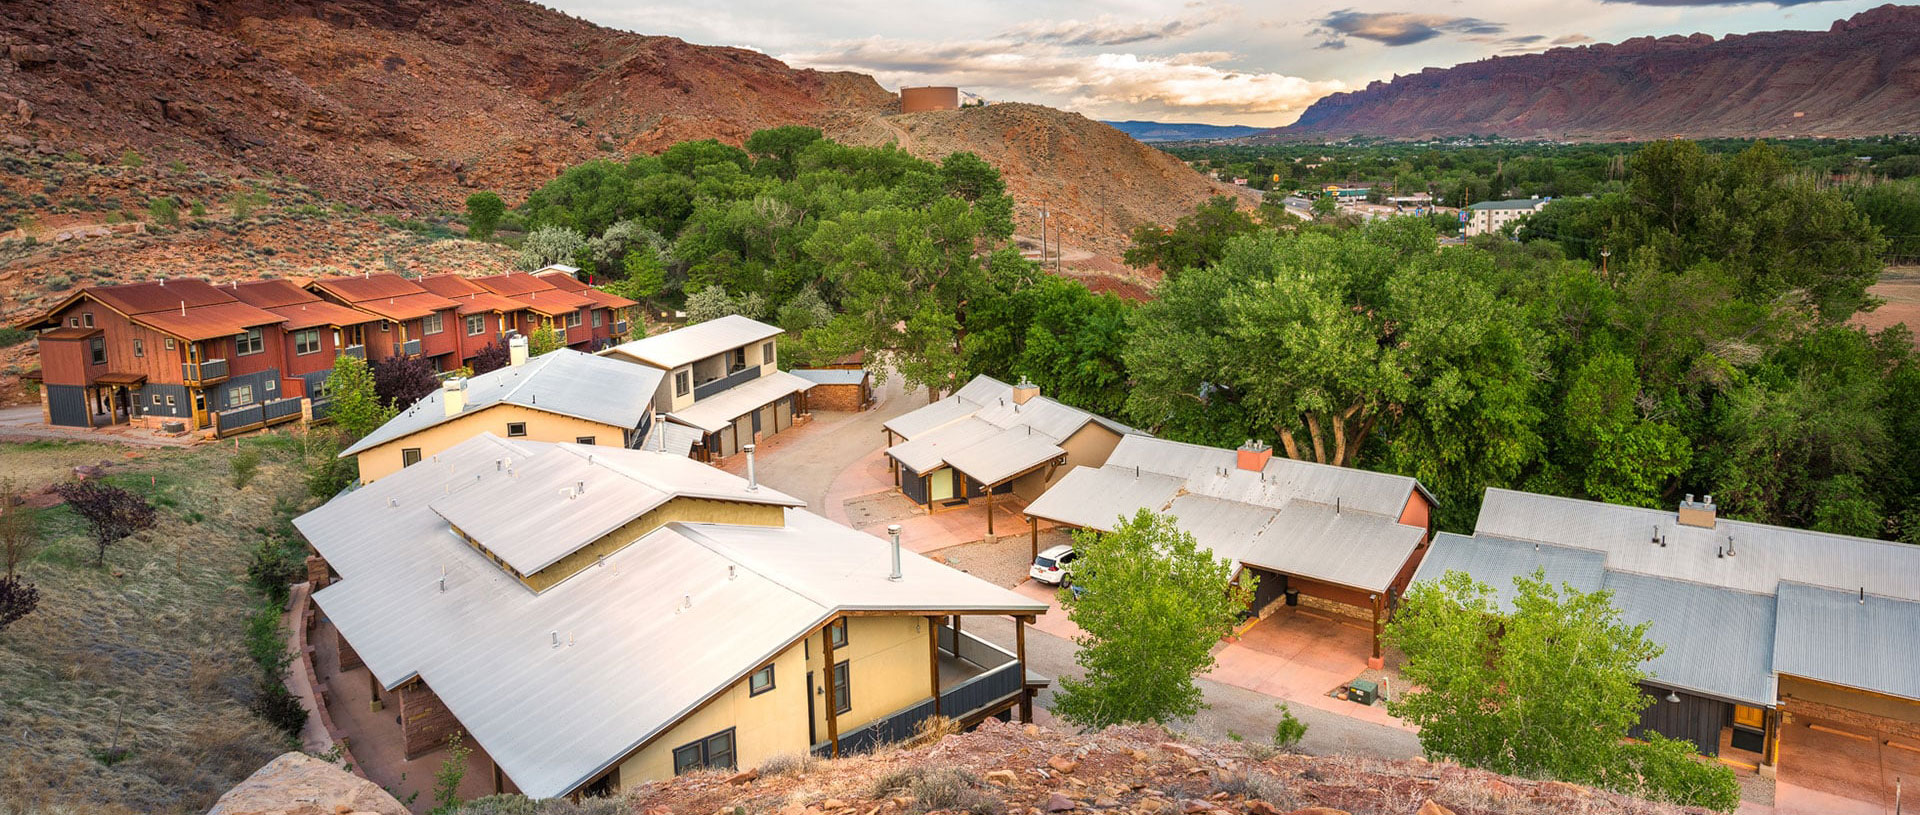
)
(1003, 562)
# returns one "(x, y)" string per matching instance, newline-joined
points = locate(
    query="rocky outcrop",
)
(299, 784)
(1861, 77)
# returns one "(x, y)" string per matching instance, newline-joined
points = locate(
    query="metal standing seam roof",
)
(685, 346)
(1215, 471)
(1344, 547)
(1718, 642)
(210, 321)
(563, 279)
(1510, 203)
(981, 431)
(565, 381)
(1497, 562)
(415, 600)
(1764, 555)
(1098, 497)
(531, 524)
(1848, 639)
(301, 308)
(677, 439)
(719, 410)
(832, 376)
(472, 299)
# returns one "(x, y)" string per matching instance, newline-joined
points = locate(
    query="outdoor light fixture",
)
(1673, 697)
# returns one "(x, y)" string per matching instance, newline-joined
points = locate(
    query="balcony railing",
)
(322, 409)
(355, 351)
(254, 416)
(410, 348)
(620, 328)
(747, 374)
(202, 373)
(1002, 680)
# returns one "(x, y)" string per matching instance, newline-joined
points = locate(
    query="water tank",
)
(939, 97)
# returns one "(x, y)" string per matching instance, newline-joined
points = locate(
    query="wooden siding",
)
(1697, 719)
(66, 362)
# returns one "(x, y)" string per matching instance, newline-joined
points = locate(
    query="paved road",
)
(1229, 709)
(806, 466)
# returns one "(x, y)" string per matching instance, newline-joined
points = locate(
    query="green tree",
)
(645, 276)
(1196, 241)
(777, 150)
(356, 405)
(548, 245)
(446, 780)
(163, 212)
(1546, 687)
(544, 339)
(1152, 605)
(1325, 208)
(484, 209)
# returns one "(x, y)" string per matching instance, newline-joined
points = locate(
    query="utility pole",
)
(1043, 234)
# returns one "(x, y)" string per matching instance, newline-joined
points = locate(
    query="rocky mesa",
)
(1861, 77)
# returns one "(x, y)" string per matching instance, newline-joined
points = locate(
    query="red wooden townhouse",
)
(317, 332)
(584, 322)
(164, 352)
(413, 321)
(484, 318)
(566, 278)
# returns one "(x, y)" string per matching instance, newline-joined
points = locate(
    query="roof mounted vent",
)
(1698, 513)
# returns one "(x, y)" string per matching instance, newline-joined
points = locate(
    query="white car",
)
(1054, 566)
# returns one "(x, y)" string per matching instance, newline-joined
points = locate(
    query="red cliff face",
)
(1862, 77)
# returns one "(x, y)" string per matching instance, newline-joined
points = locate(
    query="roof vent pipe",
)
(1729, 546)
(556, 639)
(753, 481)
(1863, 595)
(893, 530)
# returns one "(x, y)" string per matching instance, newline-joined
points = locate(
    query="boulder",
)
(1059, 803)
(1432, 807)
(299, 784)
(1062, 764)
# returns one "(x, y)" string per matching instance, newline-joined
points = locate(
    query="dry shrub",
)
(788, 764)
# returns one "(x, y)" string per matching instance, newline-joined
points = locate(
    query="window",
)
(737, 359)
(86, 319)
(682, 382)
(385, 326)
(599, 318)
(839, 633)
(476, 324)
(713, 752)
(249, 342)
(432, 324)
(270, 386)
(139, 348)
(409, 456)
(169, 400)
(573, 319)
(156, 400)
(240, 395)
(73, 322)
(583, 440)
(97, 348)
(766, 353)
(842, 693)
(306, 341)
(169, 343)
(760, 682)
(516, 428)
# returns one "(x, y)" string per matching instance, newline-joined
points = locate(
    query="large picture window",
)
(250, 341)
(476, 324)
(306, 341)
(714, 752)
(432, 324)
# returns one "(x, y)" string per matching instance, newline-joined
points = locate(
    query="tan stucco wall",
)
(384, 460)
(888, 664)
(690, 510)
(1087, 447)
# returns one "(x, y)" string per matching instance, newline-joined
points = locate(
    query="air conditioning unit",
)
(1363, 691)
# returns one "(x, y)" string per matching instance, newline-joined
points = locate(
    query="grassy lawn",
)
(127, 690)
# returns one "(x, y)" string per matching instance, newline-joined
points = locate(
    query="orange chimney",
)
(1254, 456)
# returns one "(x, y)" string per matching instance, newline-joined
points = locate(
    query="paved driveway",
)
(1842, 773)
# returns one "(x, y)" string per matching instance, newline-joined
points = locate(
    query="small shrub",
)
(10, 336)
(275, 567)
(131, 159)
(177, 166)
(199, 209)
(18, 598)
(162, 211)
(278, 706)
(245, 464)
(788, 764)
(111, 513)
(243, 204)
(522, 805)
(1289, 731)
(58, 282)
(1250, 785)
(446, 781)
(945, 788)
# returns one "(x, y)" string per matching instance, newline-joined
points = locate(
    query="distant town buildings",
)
(1487, 217)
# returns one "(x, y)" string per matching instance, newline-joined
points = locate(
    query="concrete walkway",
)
(23, 423)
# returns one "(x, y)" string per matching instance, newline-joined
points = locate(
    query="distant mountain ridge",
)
(1181, 131)
(1859, 78)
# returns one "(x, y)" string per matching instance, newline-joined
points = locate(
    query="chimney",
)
(453, 393)
(1024, 391)
(1697, 513)
(517, 351)
(893, 530)
(1254, 455)
(753, 482)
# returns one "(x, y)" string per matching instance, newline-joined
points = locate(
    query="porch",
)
(975, 679)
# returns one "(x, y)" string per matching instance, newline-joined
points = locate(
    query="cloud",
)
(1189, 83)
(1107, 31)
(1693, 3)
(1398, 28)
(1572, 39)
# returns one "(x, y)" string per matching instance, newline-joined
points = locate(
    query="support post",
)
(373, 687)
(1377, 661)
(933, 659)
(989, 512)
(1020, 652)
(833, 693)
(1034, 522)
(1770, 745)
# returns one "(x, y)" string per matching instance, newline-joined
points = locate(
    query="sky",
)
(1213, 61)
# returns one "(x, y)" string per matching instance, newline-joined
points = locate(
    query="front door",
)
(940, 485)
(199, 408)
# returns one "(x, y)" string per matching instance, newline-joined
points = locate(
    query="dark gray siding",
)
(913, 485)
(67, 405)
(316, 382)
(222, 397)
(1697, 719)
(180, 409)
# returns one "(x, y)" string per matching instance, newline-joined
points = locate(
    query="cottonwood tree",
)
(1152, 605)
(356, 404)
(1197, 240)
(1546, 687)
(484, 209)
(111, 513)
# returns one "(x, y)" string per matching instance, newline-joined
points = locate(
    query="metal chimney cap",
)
(893, 529)
(747, 448)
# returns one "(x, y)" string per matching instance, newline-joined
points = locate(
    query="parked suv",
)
(1054, 566)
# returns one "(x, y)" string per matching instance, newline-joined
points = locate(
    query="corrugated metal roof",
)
(1228, 528)
(1765, 555)
(1511, 203)
(1345, 547)
(563, 279)
(719, 410)
(531, 523)
(271, 293)
(564, 381)
(1718, 642)
(71, 333)
(486, 645)
(1095, 497)
(386, 295)
(667, 437)
(684, 346)
(209, 321)
(159, 295)
(1832, 636)
(930, 450)
(920, 420)
(301, 308)
(1029, 434)
(1497, 562)
(472, 299)
(1215, 471)
(1005, 454)
(832, 376)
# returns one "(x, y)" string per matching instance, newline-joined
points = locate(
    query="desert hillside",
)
(407, 105)
(1861, 77)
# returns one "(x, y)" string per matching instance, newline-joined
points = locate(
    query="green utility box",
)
(1363, 691)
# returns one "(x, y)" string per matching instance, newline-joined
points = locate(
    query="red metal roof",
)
(270, 293)
(301, 308)
(535, 293)
(188, 308)
(387, 295)
(209, 321)
(472, 298)
(159, 295)
(70, 333)
(567, 282)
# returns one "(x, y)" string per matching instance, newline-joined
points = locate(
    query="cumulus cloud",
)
(1190, 83)
(1398, 28)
